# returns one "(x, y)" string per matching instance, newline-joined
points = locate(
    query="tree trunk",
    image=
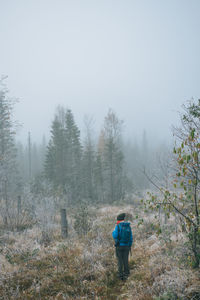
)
(64, 226)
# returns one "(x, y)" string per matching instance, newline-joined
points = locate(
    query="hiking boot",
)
(126, 275)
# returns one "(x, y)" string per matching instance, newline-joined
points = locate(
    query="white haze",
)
(140, 58)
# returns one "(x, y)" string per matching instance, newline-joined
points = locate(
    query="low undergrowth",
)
(84, 267)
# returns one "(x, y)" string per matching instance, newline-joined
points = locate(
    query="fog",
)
(140, 58)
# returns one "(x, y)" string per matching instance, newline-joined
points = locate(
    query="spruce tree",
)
(55, 156)
(63, 156)
(73, 159)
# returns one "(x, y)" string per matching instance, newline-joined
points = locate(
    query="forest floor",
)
(39, 264)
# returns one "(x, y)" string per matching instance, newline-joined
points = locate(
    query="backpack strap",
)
(118, 232)
(118, 228)
(118, 239)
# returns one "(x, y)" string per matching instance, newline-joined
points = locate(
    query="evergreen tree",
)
(113, 159)
(63, 157)
(73, 159)
(88, 163)
(98, 170)
(55, 156)
(49, 162)
(8, 166)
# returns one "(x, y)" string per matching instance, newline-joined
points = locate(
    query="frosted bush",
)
(45, 215)
(175, 280)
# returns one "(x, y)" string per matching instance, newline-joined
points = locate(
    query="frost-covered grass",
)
(34, 267)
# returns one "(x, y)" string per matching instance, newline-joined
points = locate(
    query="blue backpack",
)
(124, 233)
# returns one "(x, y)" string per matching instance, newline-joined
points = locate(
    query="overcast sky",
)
(139, 57)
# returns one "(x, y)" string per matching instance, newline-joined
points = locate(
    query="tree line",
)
(84, 170)
(101, 170)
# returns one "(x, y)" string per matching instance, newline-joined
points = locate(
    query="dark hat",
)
(121, 217)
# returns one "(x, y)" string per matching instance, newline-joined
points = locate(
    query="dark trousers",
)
(122, 259)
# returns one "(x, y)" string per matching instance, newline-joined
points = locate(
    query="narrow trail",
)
(137, 282)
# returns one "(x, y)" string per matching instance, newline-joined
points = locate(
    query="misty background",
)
(140, 58)
(107, 121)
